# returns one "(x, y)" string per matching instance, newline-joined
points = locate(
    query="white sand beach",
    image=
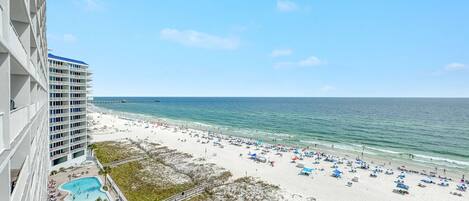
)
(320, 184)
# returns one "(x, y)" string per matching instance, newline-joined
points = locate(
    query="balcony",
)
(78, 120)
(58, 131)
(65, 145)
(32, 111)
(59, 82)
(59, 90)
(78, 113)
(59, 123)
(59, 107)
(81, 70)
(78, 84)
(59, 155)
(58, 74)
(78, 128)
(78, 106)
(81, 141)
(19, 119)
(65, 114)
(19, 178)
(60, 67)
(59, 98)
(78, 76)
(1, 132)
(18, 50)
(64, 138)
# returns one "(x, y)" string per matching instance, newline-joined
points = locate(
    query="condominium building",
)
(68, 85)
(23, 100)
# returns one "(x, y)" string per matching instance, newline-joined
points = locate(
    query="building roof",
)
(51, 56)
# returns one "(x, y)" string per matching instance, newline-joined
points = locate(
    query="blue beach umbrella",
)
(402, 186)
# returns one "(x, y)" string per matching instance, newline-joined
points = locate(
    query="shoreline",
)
(338, 149)
(320, 184)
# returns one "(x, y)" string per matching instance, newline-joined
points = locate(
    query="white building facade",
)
(69, 81)
(23, 100)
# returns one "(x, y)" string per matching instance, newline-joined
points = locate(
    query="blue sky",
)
(267, 48)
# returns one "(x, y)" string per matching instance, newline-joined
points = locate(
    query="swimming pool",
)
(84, 189)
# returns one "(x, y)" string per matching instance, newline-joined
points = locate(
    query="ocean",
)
(434, 130)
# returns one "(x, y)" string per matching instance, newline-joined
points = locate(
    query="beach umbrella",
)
(307, 170)
(295, 158)
(336, 173)
(402, 186)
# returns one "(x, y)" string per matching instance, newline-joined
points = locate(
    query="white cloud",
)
(69, 38)
(281, 52)
(327, 88)
(286, 5)
(308, 62)
(193, 38)
(455, 67)
(89, 5)
(92, 5)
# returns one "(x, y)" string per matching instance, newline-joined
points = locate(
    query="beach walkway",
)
(188, 194)
(124, 161)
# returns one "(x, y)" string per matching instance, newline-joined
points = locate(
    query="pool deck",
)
(69, 174)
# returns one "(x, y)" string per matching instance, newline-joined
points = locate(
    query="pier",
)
(122, 101)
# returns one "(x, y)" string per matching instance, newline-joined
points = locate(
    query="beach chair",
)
(349, 184)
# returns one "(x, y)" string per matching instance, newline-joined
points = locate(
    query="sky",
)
(275, 48)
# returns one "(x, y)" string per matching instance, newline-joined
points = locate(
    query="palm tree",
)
(91, 147)
(105, 171)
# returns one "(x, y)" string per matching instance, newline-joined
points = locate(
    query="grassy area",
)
(108, 152)
(129, 178)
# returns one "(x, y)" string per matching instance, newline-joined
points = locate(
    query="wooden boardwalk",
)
(124, 161)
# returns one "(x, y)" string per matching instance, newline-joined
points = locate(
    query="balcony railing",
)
(61, 67)
(77, 127)
(59, 82)
(78, 76)
(81, 141)
(78, 120)
(1, 128)
(59, 98)
(84, 70)
(59, 131)
(59, 90)
(18, 48)
(78, 83)
(19, 119)
(65, 114)
(58, 74)
(19, 179)
(78, 106)
(59, 123)
(65, 137)
(59, 147)
(59, 155)
(78, 113)
(32, 110)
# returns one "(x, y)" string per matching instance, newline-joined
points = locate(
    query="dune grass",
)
(108, 152)
(129, 178)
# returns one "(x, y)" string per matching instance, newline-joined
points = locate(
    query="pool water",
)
(84, 189)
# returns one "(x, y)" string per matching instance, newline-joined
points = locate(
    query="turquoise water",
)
(84, 189)
(435, 130)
